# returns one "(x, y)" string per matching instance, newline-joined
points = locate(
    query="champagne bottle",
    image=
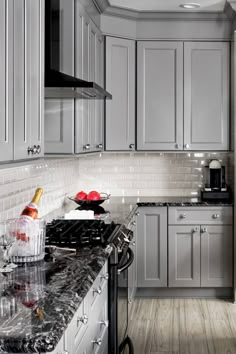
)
(31, 211)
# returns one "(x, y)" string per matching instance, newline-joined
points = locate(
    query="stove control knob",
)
(97, 290)
(97, 341)
(105, 276)
(83, 319)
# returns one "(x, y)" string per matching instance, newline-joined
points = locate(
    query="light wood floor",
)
(183, 326)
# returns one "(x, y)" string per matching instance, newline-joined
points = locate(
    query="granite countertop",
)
(38, 301)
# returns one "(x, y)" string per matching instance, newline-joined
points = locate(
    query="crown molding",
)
(105, 8)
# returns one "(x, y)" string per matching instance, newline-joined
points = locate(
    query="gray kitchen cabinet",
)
(160, 95)
(120, 81)
(6, 80)
(184, 256)
(152, 247)
(206, 96)
(200, 246)
(216, 256)
(28, 71)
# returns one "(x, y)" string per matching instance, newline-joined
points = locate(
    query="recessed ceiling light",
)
(190, 5)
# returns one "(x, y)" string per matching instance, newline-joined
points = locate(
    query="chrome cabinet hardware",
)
(187, 146)
(133, 243)
(215, 216)
(203, 230)
(137, 214)
(83, 319)
(32, 149)
(177, 146)
(99, 146)
(86, 147)
(97, 341)
(38, 149)
(105, 276)
(131, 146)
(196, 229)
(183, 216)
(97, 290)
(134, 223)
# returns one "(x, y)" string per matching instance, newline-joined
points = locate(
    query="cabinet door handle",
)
(215, 216)
(99, 146)
(38, 149)
(131, 146)
(195, 229)
(203, 230)
(97, 290)
(97, 341)
(105, 276)
(86, 147)
(83, 319)
(177, 146)
(186, 146)
(183, 216)
(32, 149)
(134, 223)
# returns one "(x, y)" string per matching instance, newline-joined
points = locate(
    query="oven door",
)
(122, 301)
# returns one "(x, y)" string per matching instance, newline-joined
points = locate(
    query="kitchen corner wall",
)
(58, 178)
(149, 174)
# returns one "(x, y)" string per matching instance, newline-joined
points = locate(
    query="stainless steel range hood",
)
(57, 83)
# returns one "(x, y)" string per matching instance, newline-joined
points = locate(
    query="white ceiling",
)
(168, 5)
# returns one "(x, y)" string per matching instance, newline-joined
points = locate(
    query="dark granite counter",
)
(37, 302)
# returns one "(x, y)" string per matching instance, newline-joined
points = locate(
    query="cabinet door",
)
(216, 256)
(59, 126)
(28, 77)
(152, 247)
(120, 81)
(184, 256)
(160, 96)
(82, 69)
(206, 96)
(6, 80)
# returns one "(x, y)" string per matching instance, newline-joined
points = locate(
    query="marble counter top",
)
(37, 302)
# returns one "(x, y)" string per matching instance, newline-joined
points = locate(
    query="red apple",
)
(93, 195)
(81, 196)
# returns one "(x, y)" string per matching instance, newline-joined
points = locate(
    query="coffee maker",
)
(215, 187)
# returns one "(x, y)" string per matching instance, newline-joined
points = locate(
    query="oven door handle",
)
(128, 263)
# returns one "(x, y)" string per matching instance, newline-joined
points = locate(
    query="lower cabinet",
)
(152, 247)
(196, 246)
(87, 332)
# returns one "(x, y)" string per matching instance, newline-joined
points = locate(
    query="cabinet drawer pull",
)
(215, 216)
(183, 216)
(32, 149)
(177, 146)
(83, 319)
(203, 230)
(105, 276)
(195, 229)
(97, 341)
(97, 290)
(186, 146)
(131, 146)
(38, 149)
(99, 146)
(104, 323)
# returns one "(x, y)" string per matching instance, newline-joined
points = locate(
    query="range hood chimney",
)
(57, 83)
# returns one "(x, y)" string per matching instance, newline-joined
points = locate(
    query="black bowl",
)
(92, 203)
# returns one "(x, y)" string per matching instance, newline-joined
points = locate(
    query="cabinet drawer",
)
(98, 286)
(200, 215)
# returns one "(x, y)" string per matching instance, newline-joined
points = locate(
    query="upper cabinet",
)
(76, 125)
(120, 81)
(28, 78)
(160, 96)
(22, 79)
(6, 80)
(206, 96)
(183, 96)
